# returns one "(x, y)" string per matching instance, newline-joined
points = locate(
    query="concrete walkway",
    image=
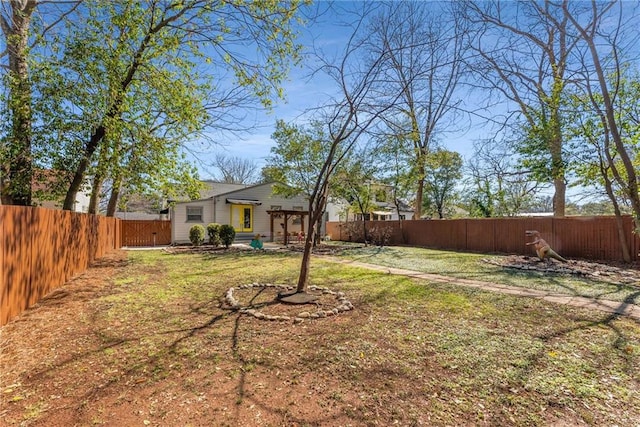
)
(613, 307)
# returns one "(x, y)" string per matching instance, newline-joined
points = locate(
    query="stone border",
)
(343, 303)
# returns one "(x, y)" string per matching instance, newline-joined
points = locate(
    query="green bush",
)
(213, 230)
(196, 235)
(227, 234)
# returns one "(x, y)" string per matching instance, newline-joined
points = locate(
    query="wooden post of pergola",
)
(286, 214)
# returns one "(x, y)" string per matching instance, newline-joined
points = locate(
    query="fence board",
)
(40, 249)
(594, 238)
(145, 233)
(481, 235)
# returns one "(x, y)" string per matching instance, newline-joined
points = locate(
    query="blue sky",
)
(329, 33)
(302, 93)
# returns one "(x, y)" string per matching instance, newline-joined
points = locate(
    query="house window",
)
(194, 213)
(297, 208)
(242, 218)
(276, 208)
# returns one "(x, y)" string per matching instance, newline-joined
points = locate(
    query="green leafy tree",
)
(524, 50)
(17, 22)
(169, 56)
(600, 164)
(17, 171)
(443, 173)
(296, 159)
(149, 74)
(353, 182)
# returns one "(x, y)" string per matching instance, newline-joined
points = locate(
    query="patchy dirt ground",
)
(62, 367)
(603, 271)
(68, 362)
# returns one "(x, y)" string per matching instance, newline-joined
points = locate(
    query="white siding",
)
(336, 210)
(218, 210)
(263, 193)
(180, 226)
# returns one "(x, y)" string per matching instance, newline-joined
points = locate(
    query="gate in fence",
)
(146, 233)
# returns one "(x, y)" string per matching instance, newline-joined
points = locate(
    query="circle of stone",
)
(343, 303)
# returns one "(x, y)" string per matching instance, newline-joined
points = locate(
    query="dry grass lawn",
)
(145, 338)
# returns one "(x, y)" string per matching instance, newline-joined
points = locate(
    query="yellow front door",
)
(242, 218)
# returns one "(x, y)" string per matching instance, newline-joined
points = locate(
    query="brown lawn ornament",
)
(542, 248)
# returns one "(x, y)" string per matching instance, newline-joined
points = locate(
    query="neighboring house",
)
(141, 216)
(250, 210)
(381, 207)
(81, 203)
(47, 192)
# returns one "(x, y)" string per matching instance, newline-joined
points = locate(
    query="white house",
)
(250, 209)
(380, 207)
(44, 183)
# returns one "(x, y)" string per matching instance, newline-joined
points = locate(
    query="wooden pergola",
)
(286, 214)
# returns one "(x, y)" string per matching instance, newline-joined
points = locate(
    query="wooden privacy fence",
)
(145, 233)
(594, 238)
(40, 249)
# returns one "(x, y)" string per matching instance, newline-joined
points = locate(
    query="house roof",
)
(194, 201)
(246, 187)
(229, 194)
(137, 215)
(217, 188)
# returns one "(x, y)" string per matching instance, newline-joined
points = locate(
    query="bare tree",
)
(523, 51)
(423, 50)
(496, 185)
(602, 28)
(348, 116)
(236, 170)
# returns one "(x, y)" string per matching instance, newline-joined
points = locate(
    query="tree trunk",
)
(608, 185)
(417, 214)
(115, 196)
(96, 188)
(16, 177)
(559, 197)
(364, 229)
(79, 174)
(622, 235)
(303, 278)
(557, 162)
(316, 208)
